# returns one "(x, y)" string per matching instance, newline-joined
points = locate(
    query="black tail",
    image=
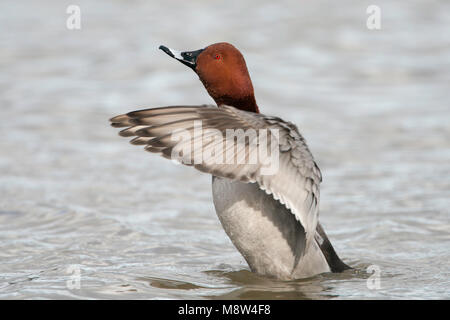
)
(336, 264)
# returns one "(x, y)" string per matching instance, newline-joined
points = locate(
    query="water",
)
(78, 199)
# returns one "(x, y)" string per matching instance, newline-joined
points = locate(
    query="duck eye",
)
(217, 57)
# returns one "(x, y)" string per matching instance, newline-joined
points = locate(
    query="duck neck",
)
(246, 103)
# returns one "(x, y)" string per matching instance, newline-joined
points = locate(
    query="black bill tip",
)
(166, 50)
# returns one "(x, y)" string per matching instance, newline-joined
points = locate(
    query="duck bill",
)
(188, 58)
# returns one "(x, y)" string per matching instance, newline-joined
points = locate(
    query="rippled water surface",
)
(75, 198)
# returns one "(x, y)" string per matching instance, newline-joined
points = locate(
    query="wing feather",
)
(296, 182)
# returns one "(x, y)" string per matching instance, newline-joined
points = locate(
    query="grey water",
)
(86, 215)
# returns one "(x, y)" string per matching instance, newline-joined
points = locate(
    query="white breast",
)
(267, 234)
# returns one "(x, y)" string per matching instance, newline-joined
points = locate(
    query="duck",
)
(270, 214)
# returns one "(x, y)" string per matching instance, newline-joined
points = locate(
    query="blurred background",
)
(84, 214)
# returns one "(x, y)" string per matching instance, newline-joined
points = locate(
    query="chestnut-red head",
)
(222, 70)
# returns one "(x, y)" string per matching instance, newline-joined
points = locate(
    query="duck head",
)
(223, 71)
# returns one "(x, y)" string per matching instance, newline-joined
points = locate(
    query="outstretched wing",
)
(225, 142)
